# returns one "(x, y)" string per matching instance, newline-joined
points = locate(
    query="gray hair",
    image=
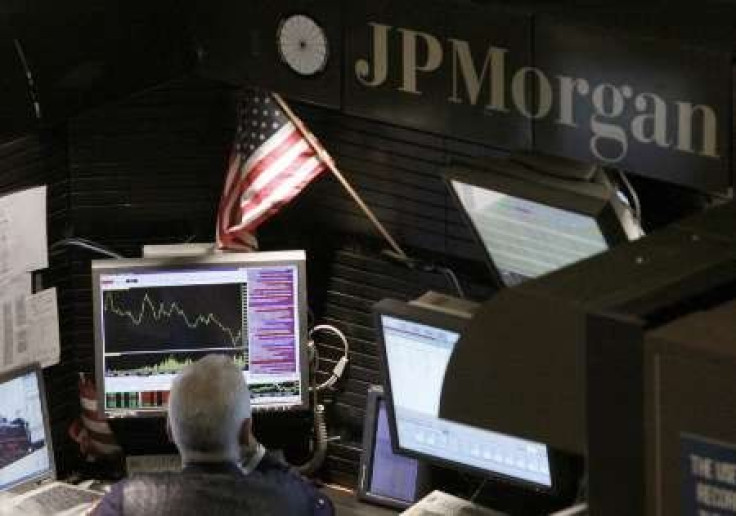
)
(208, 403)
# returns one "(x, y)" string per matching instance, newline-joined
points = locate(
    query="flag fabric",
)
(270, 163)
(91, 431)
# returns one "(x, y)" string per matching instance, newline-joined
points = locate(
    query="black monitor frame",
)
(588, 199)
(558, 465)
(225, 261)
(374, 398)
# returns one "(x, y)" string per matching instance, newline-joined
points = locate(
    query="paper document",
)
(29, 329)
(439, 503)
(23, 244)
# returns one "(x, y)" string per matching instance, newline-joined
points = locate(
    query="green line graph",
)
(148, 311)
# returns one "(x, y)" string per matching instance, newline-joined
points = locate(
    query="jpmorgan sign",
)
(644, 105)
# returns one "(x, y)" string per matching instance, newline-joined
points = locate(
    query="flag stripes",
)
(270, 164)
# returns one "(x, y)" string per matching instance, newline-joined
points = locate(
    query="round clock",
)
(302, 44)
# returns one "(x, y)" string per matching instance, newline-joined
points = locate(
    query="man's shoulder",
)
(272, 485)
(195, 493)
(292, 484)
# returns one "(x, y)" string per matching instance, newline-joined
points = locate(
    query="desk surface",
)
(346, 504)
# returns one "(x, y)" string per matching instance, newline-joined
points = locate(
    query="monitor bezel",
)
(402, 310)
(370, 428)
(576, 197)
(265, 258)
(50, 473)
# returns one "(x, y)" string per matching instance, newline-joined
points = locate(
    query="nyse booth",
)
(518, 155)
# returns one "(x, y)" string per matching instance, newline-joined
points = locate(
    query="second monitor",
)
(152, 317)
(415, 345)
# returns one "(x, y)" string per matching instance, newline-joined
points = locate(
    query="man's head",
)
(209, 410)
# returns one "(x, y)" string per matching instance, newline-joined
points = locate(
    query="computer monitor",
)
(153, 316)
(415, 345)
(26, 454)
(530, 224)
(387, 478)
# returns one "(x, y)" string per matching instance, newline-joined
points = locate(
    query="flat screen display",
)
(153, 318)
(417, 356)
(392, 476)
(526, 239)
(24, 445)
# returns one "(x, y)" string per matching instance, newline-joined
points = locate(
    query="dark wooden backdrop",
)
(148, 169)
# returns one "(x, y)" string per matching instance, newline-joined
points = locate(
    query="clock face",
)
(302, 44)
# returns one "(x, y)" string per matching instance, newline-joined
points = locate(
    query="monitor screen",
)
(386, 478)
(416, 348)
(527, 239)
(155, 316)
(392, 476)
(531, 223)
(25, 450)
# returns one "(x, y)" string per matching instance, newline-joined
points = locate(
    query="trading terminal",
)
(543, 325)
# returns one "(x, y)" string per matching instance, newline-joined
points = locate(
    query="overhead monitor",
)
(153, 316)
(415, 347)
(530, 225)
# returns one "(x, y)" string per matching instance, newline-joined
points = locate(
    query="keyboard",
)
(58, 498)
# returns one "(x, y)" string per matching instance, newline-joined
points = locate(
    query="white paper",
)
(29, 328)
(439, 502)
(43, 327)
(15, 291)
(23, 246)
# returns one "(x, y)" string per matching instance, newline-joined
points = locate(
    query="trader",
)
(209, 420)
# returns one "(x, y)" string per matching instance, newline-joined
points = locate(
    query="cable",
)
(478, 490)
(339, 368)
(320, 441)
(632, 194)
(32, 91)
(450, 274)
(415, 264)
(85, 244)
(320, 438)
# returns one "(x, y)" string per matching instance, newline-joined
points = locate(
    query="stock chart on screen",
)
(154, 321)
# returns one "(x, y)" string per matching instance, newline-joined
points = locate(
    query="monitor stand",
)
(446, 304)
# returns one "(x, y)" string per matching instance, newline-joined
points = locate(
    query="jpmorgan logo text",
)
(620, 113)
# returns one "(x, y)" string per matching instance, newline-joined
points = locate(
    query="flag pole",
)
(327, 160)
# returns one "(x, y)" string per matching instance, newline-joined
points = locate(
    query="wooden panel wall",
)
(145, 170)
(149, 170)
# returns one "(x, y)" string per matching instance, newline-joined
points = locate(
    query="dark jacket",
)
(220, 489)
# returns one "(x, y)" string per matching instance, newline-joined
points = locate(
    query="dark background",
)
(142, 160)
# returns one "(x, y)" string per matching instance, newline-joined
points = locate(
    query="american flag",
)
(270, 163)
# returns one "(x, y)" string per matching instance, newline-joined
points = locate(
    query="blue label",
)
(708, 477)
